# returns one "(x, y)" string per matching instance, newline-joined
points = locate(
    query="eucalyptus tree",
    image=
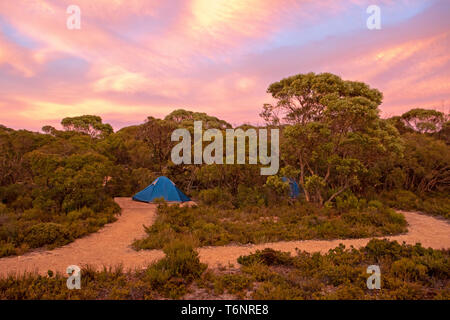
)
(332, 132)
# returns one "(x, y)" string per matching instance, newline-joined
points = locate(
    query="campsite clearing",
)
(111, 246)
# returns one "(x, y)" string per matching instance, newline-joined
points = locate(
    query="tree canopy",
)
(423, 120)
(335, 135)
(88, 124)
(303, 98)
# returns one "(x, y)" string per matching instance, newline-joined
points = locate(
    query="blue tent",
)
(162, 187)
(294, 189)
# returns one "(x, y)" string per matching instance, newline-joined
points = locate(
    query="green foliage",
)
(87, 124)
(55, 187)
(172, 274)
(186, 119)
(111, 283)
(333, 134)
(7, 249)
(156, 133)
(46, 233)
(250, 196)
(301, 98)
(207, 226)
(236, 284)
(433, 203)
(216, 197)
(267, 257)
(424, 167)
(59, 186)
(333, 143)
(407, 272)
(279, 186)
(423, 120)
(168, 278)
(181, 261)
(3, 209)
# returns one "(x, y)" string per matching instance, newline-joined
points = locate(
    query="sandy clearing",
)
(429, 231)
(111, 245)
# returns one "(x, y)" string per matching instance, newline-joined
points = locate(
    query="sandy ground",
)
(111, 245)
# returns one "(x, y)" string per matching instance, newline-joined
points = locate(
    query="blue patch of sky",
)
(70, 66)
(15, 35)
(137, 27)
(351, 20)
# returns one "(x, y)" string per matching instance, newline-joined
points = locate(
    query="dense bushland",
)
(58, 185)
(54, 188)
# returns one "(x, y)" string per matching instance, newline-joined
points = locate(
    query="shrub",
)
(74, 215)
(297, 221)
(22, 203)
(432, 203)
(346, 202)
(216, 197)
(181, 260)
(408, 272)
(46, 233)
(268, 257)
(36, 214)
(234, 283)
(247, 196)
(3, 209)
(405, 199)
(375, 204)
(173, 273)
(7, 249)
(408, 269)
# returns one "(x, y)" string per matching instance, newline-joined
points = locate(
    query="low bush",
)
(431, 203)
(7, 249)
(35, 228)
(3, 209)
(216, 197)
(171, 275)
(268, 257)
(210, 226)
(46, 233)
(407, 272)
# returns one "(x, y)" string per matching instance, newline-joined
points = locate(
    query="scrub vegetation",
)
(407, 272)
(209, 226)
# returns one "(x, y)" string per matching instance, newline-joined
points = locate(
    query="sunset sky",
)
(135, 58)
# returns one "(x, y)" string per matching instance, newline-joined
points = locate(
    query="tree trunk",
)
(337, 193)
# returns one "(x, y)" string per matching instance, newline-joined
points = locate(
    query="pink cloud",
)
(211, 56)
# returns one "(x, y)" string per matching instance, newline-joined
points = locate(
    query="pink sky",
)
(132, 59)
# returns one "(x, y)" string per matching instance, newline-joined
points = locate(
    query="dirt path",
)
(111, 245)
